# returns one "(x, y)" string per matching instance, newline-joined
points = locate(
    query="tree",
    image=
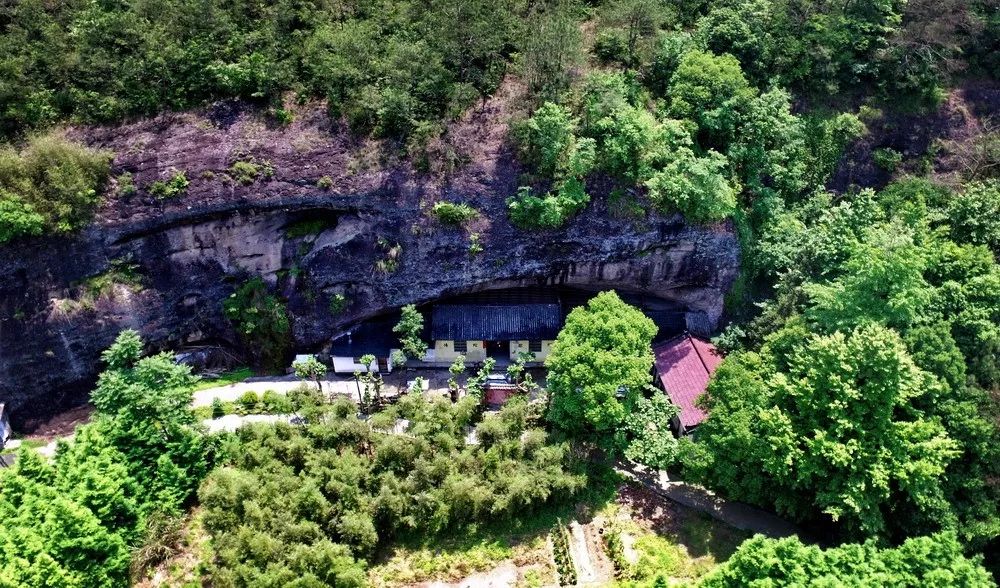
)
(475, 386)
(311, 369)
(639, 19)
(832, 426)
(696, 187)
(456, 369)
(410, 328)
(882, 281)
(650, 439)
(601, 354)
(936, 560)
(975, 215)
(551, 48)
(710, 90)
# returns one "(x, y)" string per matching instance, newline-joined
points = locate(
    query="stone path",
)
(579, 551)
(231, 422)
(736, 514)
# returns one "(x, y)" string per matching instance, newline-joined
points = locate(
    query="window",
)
(461, 346)
(535, 346)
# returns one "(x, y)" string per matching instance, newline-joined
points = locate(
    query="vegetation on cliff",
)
(860, 391)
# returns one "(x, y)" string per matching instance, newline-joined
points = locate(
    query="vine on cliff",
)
(262, 322)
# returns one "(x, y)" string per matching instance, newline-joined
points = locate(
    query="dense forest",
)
(860, 394)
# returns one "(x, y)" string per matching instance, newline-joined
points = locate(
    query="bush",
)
(324, 183)
(246, 172)
(611, 47)
(549, 211)
(248, 402)
(174, 187)
(218, 408)
(50, 185)
(887, 159)
(275, 403)
(451, 213)
(126, 185)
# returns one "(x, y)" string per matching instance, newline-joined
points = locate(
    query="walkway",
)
(736, 514)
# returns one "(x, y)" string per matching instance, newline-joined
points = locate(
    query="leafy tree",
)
(697, 187)
(932, 560)
(602, 352)
(834, 427)
(311, 369)
(410, 329)
(883, 282)
(551, 49)
(975, 215)
(456, 369)
(651, 439)
(710, 90)
(638, 20)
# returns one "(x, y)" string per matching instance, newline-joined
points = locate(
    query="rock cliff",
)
(323, 215)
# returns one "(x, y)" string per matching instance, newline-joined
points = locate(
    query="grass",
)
(696, 546)
(224, 379)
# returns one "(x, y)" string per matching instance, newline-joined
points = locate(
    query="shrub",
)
(338, 303)
(549, 211)
(246, 172)
(218, 408)
(50, 185)
(176, 186)
(248, 401)
(324, 183)
(275, 403)
(888, 159)
(126, 184)
(451, 213)
(611, 47)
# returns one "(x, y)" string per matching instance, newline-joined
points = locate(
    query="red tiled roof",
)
(684, 365)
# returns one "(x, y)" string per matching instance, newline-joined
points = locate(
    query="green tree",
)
(712, 91)
(920, 561)
(601, 354)
(639, 20)
(311, 369)
(456, 369)
(650, 439)
(883, 281)
(697, 187)
(975, 215)
(551, 48)
(410, 329)
(833, 427)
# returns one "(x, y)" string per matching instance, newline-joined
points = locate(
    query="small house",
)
(683, 367)
(500, 331)
(369, 338)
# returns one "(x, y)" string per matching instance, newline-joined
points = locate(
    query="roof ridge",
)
(698, 353)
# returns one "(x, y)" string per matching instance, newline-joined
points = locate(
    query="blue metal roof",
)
(495, 322)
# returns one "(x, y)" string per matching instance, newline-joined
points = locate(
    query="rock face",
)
(164, 267)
